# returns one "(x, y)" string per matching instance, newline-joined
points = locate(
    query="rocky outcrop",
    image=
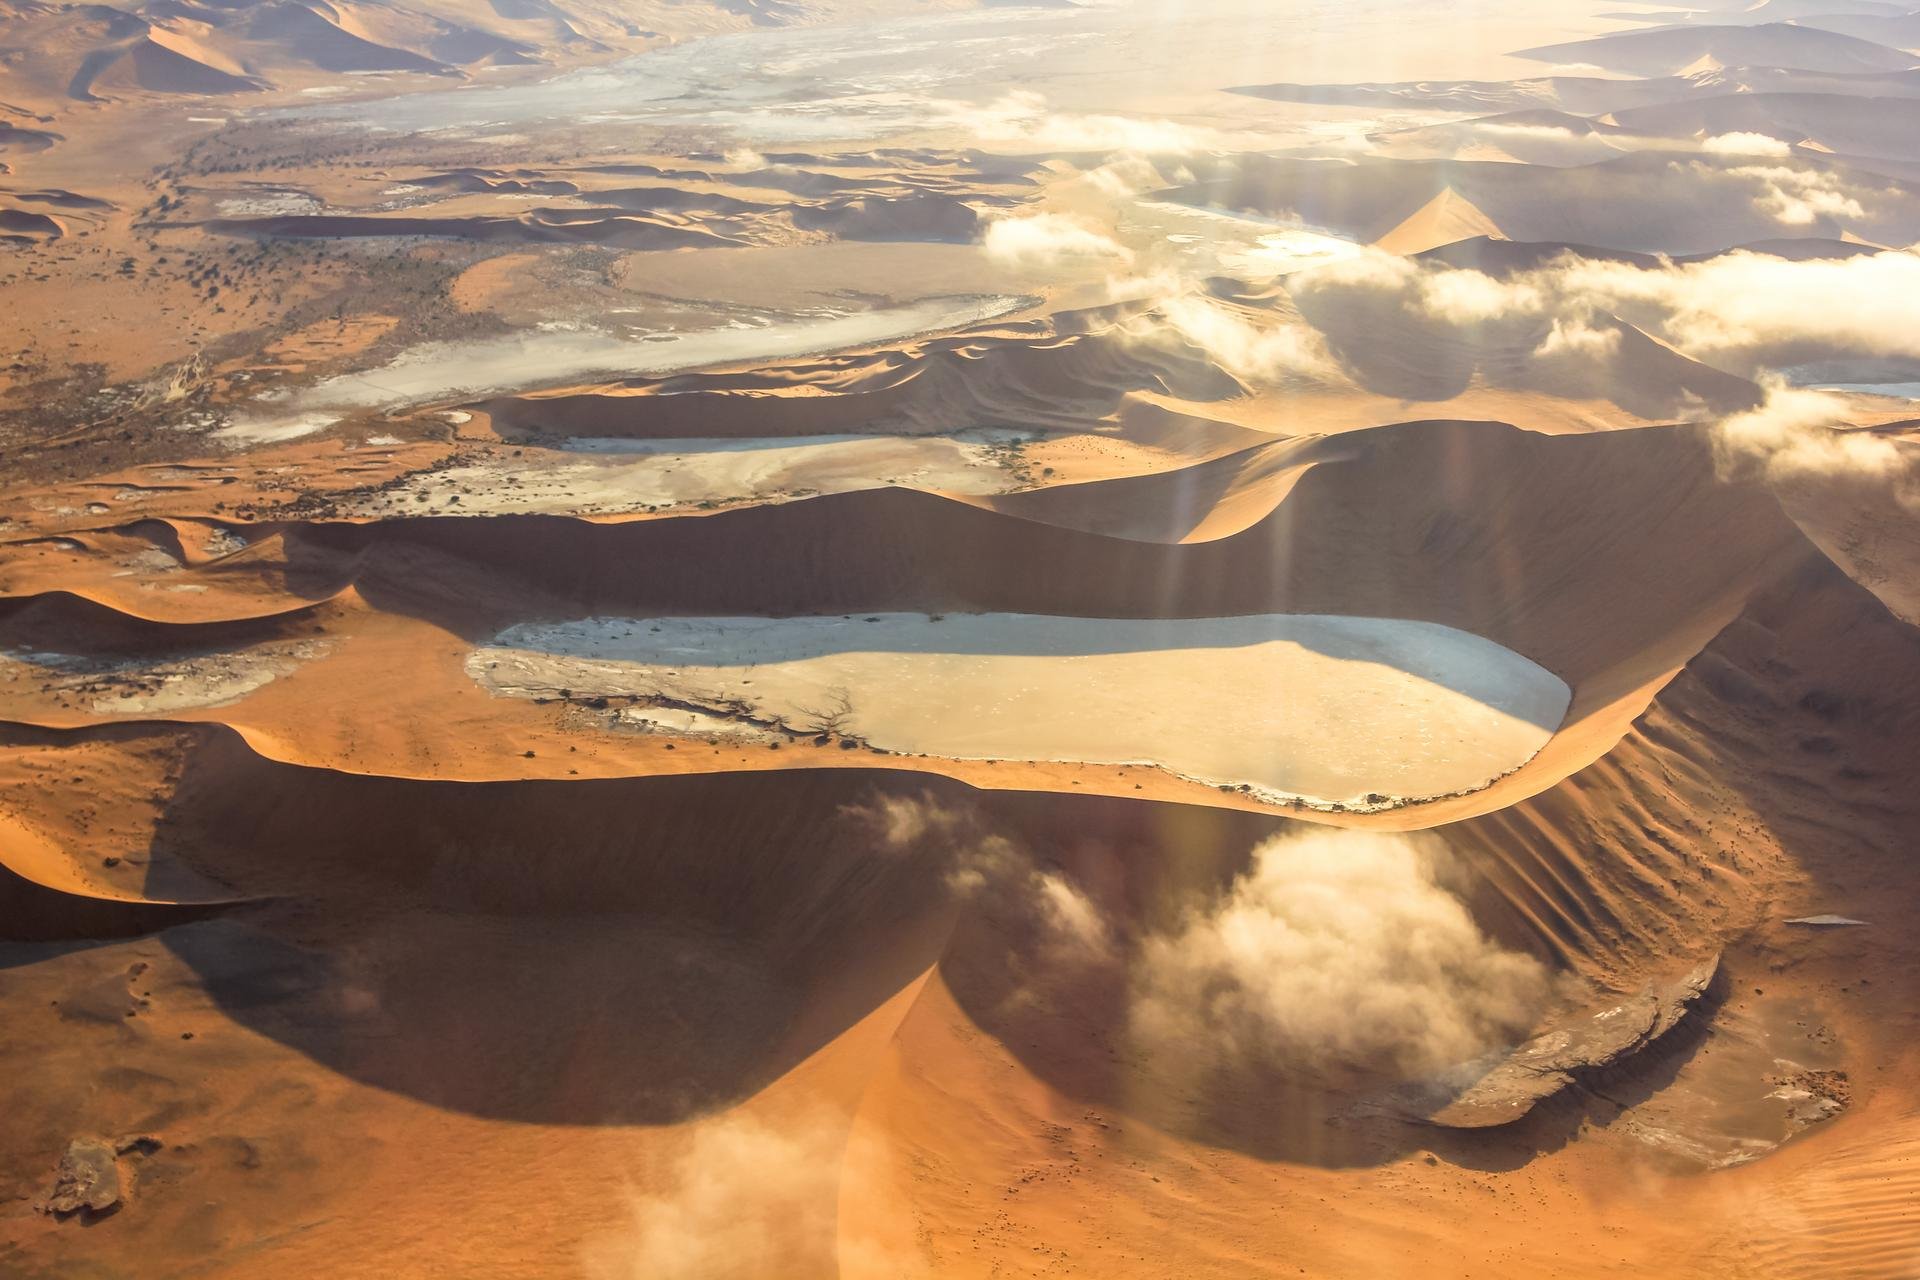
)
(1508, 1087)
(88, 1179)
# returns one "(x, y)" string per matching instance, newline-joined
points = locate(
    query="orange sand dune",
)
(966, 1099)
(1296, 527)
(1073, 706)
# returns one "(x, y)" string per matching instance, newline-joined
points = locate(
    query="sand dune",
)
(1566, 872)
(1442, 220)
(1104, 370)
(624, 476)
(88, 51)
(1665, 51)
(1303, 719)
(1067, 373)
(14, 137)
(1854, 126)
(572, 227)
(649, 217)
(1216, 498)
(184, 47)
(920, 217)
(492, 182)
(1771, 11)
(446, 371)
(1650, 203)
(919, 1087)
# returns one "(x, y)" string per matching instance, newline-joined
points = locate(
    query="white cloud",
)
(1049, 240)
(1800, 197)
(1745, 144)
(1023, 119)
(981, 866)
(1798, 434)
(1473, 297)
(1749, 310)
(1576, 337)
(1334, 948)
(1256, 350)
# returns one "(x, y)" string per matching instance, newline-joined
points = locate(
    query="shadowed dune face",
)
(725, 639)
(756, 961)
(391, 1001)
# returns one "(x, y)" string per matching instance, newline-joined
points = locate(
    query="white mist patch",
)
(1293, 249)
(1800, 434)
(1335, 948)
(748, 1198)
(1049, 240)
(1358, 711)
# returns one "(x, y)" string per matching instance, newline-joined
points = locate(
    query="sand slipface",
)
(1332, 710)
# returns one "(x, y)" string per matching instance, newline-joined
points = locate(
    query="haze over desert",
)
(901, 639)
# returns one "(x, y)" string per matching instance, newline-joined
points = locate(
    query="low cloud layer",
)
(1742, 311)
(1799, 434)
(1048, 240)
(1334, 948)
(1745, 144)
(1749, 311)
(1746, 313)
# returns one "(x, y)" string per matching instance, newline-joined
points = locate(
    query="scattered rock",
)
(87, 1180)
(1812, 1096)
(1510, 1086)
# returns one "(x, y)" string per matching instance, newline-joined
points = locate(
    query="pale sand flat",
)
(1331, 709)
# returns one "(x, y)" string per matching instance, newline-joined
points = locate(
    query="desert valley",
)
(715, 639)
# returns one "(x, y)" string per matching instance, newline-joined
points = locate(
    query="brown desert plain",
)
(734, 639)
